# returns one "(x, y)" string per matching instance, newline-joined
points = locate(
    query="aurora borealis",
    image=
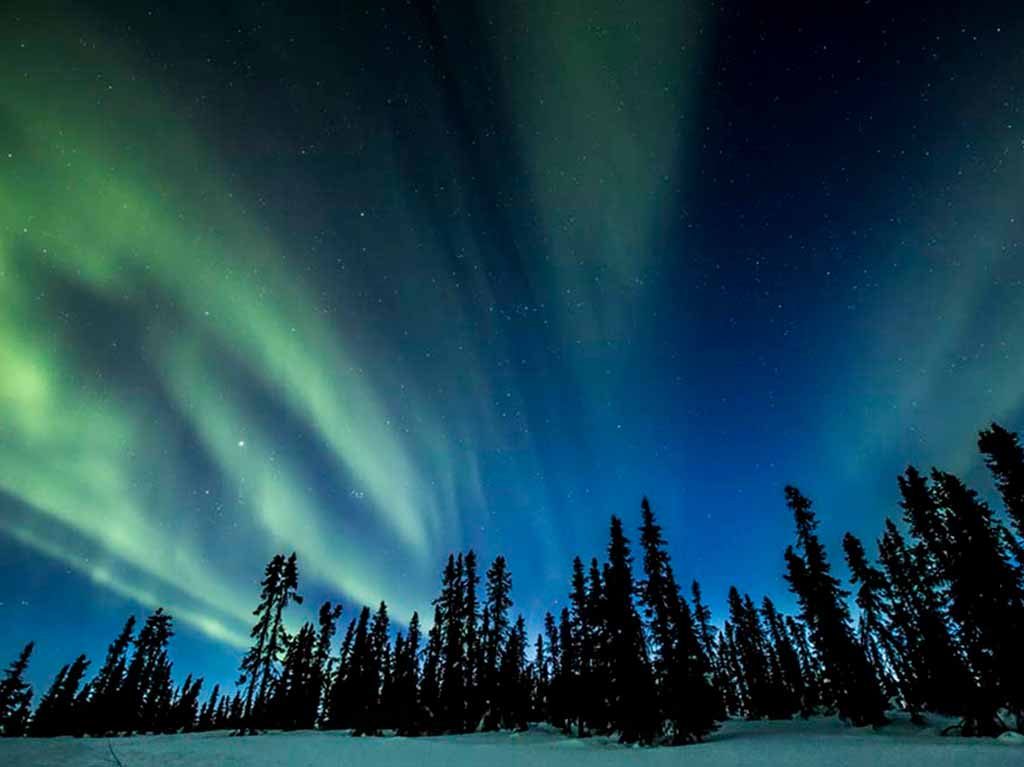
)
(374, 284)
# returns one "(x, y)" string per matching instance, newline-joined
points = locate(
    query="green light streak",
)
(104, 189)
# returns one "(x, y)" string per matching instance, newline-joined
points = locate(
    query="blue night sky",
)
(378, 284)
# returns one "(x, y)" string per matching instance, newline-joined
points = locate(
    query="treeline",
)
(938, 627)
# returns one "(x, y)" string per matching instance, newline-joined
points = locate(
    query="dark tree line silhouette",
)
(938, 627)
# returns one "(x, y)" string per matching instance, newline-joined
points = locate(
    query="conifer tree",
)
(16, 696)
(577, 649)
(451, 606)
(936, 676)
(147, 683)
(405, 701)
(1004, 457)
(471, 650)
(430, 689)
(632, 708)
(852, 682)
(184, 713)
(106, 687)
(296, 692)
(208, 713)
(339, 706)
(319, 683)
(376, 671)
(57, 713)
(707, 638)
(810, 667)
(751, 657)
(881, 644)
(357, 680)
(159, 697)
(513, 682)
(259, 667)
(985, 601)
(786, 672)
(684, 696)
(597, 703)
(498, 604)
(557, 682)
(540, 682)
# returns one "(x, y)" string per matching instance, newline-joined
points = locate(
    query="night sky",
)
(376, 284)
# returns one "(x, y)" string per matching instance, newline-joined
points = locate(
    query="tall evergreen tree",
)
(937, 677)
(684, 696)
(375, 672)
(751, 657)
(319, 683)
(147, 682)
(1004, 457)
(260, 666)
(405, 705)
(296, 692)
(451, 604)
(498, 604)
(430, 689)
(471, 649)
(784, 664)
(875, 631)
(338, 708)
(106, 687)
(985, 601)
(358, 677)
(58, 713)
(632, 709)
(513, 681)
(16, 696)
(851, 679)
(208, 712)
(810, 667)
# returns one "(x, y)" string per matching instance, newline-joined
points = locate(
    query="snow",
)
(812, 743)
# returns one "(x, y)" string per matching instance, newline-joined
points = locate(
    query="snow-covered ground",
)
(817, 742)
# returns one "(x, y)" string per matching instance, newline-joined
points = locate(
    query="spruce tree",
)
(684, 696)
(985, 601)
(430, 689)
(147, 681)
(323, 664)
(339, 706)
(810, 667)
(451, 604)
(259, 668)
(633, 711)
(1004, 457)
(405, 703)
(377, 670)
(498, 604)
(784, 662)
(58, 713)
(106, 687)
(937, 677)
(358, 676)
(751, 656)
(513, 683)
(471, 649)
(296, 692)
(16, 696)
(852, 682)
(208, 712)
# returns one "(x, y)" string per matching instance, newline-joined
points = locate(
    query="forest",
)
(932, 621)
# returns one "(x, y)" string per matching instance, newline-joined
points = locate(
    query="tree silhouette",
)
(852, 682)
(260, 665)
(16, 696)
